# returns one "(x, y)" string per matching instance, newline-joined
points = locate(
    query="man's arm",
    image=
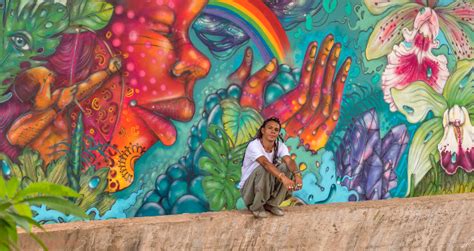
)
(291, 164)
(263, 161)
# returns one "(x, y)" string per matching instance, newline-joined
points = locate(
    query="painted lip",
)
(180, 109)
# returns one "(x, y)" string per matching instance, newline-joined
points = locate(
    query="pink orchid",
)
(456, 22)
(412, 60)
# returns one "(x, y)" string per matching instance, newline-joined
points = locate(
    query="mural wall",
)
(145, 107)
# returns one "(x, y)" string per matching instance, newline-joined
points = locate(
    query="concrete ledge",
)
(438, 222)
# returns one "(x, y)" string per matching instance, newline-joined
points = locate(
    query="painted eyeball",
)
(21, 42)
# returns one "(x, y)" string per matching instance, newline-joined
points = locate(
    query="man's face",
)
(271, 130)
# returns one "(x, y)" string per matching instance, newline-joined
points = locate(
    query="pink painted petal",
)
(377, 7)
(407, 64)
(461, 10)
(388, 31)
(459, 38)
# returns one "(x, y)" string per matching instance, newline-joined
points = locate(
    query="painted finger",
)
(296, 124)
(252, 92)
(317, 139)
(286, 106)
(239, 76)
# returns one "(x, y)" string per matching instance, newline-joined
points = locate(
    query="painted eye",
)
(20, 42)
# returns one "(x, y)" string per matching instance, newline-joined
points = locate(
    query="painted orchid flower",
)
(412, 60)
(455, 21)
(457, 146)
(448, 136)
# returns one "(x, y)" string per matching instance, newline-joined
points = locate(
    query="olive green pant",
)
(263, 188)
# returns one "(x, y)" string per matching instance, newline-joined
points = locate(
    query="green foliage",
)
(240, 123)
(93, 194)
(93, 14)
(437, 182)
(30, 170)
(223, 165)
(15, 205)
(417, 99)
(425, 143)
(460, 85)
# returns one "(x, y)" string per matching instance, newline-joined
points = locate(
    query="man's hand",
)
(289, 184)
(298, 182)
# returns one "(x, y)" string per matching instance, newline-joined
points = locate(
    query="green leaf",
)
(220, 136)
(3, 188)
(46, 189)
(425, 142)
(214, 190)
(23, 209)
(417, 99)
(11, 187)
(30, 161)
(8, 234)
(57, 171)
(58, 204)
(94, 14)
(241, 124)
(459, 89)
(212, 167)
(215, 150)
(380, 41)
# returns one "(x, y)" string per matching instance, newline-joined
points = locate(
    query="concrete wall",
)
(437, 222)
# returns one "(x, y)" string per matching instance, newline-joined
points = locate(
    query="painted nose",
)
(191, 62)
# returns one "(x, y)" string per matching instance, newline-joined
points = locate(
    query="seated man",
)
(265, 182)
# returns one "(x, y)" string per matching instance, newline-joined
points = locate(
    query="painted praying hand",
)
(311, 110)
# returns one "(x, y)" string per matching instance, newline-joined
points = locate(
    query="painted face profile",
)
(161, 67)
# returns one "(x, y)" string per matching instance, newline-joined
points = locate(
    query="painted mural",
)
(145, 107)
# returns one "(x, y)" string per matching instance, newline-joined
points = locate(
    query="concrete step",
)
(436, 222)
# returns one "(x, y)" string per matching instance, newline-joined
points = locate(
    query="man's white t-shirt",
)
(253, 152)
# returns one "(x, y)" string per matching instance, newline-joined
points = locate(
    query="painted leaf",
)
(417, 99)
(30, 162)
(94, 14)
(425, 142)
(217, 153)
(456, 22)
(43, 22)
(377, 7)
(241, 124)
(214, 190)
(212, 167)
(387, 32)
(460, 86)
(57, 171)
(93, 192)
